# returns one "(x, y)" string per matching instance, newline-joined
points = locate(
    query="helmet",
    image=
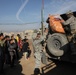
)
(69, 12)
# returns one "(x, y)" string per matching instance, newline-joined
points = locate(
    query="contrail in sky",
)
(69, 6)
(20, 10)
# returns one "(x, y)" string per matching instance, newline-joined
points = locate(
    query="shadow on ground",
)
(59, 68)
(17, 70)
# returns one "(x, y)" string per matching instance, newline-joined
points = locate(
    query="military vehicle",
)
(57, 42)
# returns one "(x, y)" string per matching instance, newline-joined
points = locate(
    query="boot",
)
(36, 71)
(73, 49)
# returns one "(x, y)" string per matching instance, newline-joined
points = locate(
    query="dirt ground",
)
(26, 67)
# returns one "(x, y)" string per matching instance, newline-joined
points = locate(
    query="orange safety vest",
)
(55, 24)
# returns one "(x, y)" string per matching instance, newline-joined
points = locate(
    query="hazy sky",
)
(25, 11)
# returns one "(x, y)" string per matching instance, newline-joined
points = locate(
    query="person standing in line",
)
(25, 47)
(7, 56)
(19, 41)
(12, 52)
(16, 45)
(2, 53)
(25, 38)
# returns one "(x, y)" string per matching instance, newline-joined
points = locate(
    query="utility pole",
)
(42, 17)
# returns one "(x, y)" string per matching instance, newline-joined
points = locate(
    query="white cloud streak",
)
(20, 10)
(67, 6)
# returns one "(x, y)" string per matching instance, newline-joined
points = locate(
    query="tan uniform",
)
(72, 22)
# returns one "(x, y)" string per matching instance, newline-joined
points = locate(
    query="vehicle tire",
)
(57, 44)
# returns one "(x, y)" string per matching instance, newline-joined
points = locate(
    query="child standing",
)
(25, 48)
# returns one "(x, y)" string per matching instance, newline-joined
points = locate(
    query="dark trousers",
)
(12, 60)
(17, 54)
(1, 65)
(28, 53)
(72, 41)
(7, 58)
(12, 57)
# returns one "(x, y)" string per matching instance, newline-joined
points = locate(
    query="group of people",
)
(10, 48)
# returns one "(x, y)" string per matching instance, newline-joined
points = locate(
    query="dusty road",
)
(26, 67)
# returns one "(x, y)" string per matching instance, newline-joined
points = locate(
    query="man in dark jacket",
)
(2, 54)
(25, 47)
(12, 52)
(7, 60)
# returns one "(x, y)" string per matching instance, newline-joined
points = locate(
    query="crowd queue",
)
(10, 48)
